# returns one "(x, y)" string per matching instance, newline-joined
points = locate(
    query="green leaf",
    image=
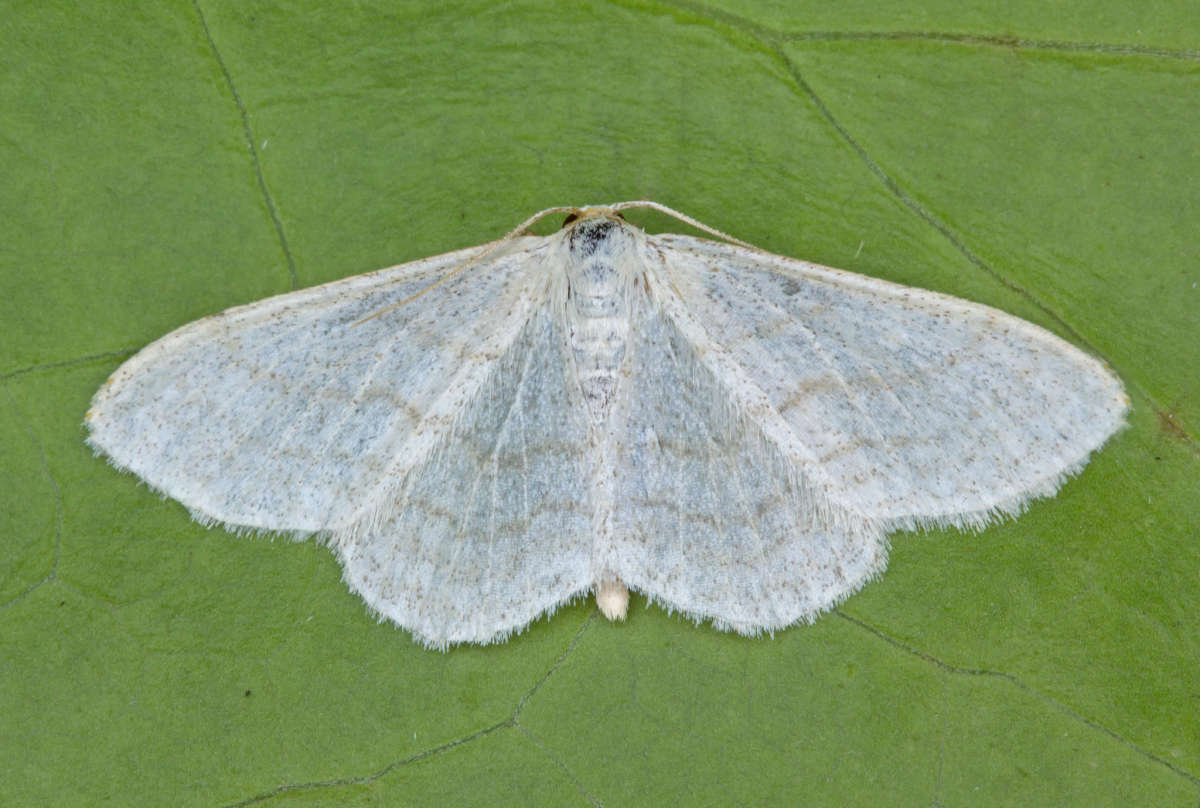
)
(165, 161)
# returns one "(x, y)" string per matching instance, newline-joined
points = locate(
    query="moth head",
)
(590, 229)
(591, 212)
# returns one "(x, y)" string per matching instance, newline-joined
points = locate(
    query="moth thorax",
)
(600, 256)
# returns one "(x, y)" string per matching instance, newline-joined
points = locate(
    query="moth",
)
(484, 435)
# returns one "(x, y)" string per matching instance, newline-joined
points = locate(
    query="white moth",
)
(484, 435)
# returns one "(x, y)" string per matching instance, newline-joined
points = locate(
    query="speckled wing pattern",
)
(284, 415)
(484, 435)
(913, 408)
(713, 519)
(492, 529)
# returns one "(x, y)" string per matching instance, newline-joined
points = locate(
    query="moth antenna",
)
(683, 217)
(520, 230)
